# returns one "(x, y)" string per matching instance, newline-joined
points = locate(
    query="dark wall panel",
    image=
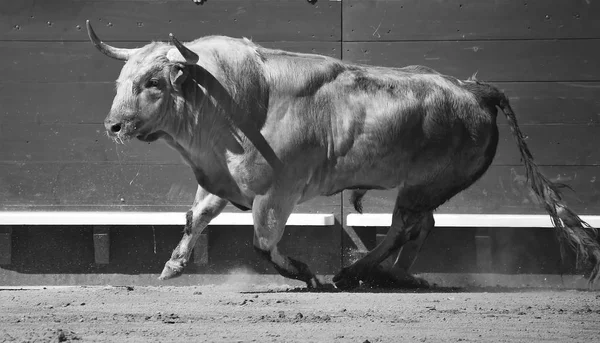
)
(92, 186)
(469, 19)
(554, 102)
(55, 103)
(78, 143)
(504, 60)
(145, 20)
(140, 250)
(503, 190)
(551, 144)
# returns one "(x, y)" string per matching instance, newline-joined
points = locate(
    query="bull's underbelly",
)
(380, 175)
(438, 174)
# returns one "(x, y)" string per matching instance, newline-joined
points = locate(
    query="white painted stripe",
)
(468, 220)
(146, 218)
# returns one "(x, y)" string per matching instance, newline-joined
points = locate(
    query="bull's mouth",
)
(150, 137)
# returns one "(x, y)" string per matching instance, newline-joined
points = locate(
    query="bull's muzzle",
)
(112, 127)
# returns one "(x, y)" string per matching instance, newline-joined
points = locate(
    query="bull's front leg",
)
(206, 207)
(270, 213)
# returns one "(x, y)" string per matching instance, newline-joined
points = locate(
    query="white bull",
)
(267, 129)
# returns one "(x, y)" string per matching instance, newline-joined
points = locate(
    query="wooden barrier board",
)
(146, 20)
(386, 20)
(493, 60)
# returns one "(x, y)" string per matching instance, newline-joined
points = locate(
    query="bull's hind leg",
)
(270, 215)
(206, 206)
(406, 225)
(407, 254)
(395, 270)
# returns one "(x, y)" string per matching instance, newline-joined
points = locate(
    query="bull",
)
(267, 129)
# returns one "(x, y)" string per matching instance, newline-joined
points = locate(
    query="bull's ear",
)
(178, 75)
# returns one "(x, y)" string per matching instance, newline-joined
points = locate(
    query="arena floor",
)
(276, 313)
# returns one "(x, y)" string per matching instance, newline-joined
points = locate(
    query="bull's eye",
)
(152, 83)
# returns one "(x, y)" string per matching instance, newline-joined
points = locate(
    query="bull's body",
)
(267, 129)
(336, 126)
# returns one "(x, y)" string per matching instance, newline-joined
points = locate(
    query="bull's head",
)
(149, 80)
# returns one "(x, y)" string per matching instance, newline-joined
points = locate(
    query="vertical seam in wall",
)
(342, 29)
(342, 218)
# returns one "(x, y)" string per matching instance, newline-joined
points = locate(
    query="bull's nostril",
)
(115, 128)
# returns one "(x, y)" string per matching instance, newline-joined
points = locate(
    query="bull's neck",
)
(198, 136)
(208, 164)
(225, 101)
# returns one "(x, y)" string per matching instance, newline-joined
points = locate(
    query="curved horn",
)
(190, 56)
(110, 51)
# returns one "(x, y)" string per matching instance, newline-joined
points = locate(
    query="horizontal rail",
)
(145, 218)
(295, 219)
(467, 220)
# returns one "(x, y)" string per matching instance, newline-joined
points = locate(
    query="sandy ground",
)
(243, 313)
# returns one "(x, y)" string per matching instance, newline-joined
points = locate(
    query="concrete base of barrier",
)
(243, 280)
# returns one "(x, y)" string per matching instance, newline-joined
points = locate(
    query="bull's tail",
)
(356, 199)
(570, 229)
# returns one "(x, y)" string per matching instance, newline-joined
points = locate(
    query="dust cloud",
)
(245, 279)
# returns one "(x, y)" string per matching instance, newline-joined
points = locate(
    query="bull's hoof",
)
(171, 270)
(345, 280)
(421, 283)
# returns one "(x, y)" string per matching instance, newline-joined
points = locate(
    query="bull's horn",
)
(190, 56)
(110, 51)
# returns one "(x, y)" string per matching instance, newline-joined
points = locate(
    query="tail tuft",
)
(356, 199)
(571, 230)
(580, 237)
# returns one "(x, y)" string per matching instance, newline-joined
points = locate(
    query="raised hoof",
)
(344, 280)
(171, 270)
